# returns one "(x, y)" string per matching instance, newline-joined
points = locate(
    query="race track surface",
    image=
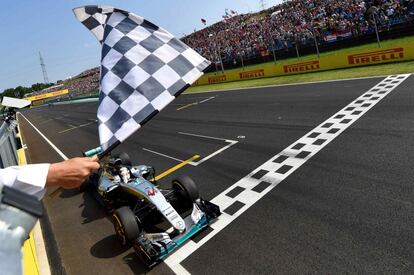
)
(341, 202)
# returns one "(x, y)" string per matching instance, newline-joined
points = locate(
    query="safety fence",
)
(8, 144)
(334, 61)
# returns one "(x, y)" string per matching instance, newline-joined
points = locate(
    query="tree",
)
(20, 91)
(40, 86)
(9, 92)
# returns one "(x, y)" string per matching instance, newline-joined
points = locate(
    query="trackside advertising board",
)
(360, 58)
(47, 95)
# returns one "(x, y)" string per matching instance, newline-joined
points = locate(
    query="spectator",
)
(296, 21)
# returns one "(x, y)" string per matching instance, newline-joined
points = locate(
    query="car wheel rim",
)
(119, 230)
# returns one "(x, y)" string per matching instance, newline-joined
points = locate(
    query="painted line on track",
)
(161, 154)
(201, 136)
(76, 127)
(197, 163)
(288, 84)
(36, 240)
(62, 155)
(231, 143)
(186, 106)
(46, 121)
(195, 103)
(175, 168)
(246, 192)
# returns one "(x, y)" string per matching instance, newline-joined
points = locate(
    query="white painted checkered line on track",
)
(246, 192)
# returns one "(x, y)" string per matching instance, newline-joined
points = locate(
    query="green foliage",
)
(17, 92)
(20, 91)
(40, 86)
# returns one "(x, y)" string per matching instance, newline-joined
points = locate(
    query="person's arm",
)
(32, 179)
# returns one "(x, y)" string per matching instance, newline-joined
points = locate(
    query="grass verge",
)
(373, 70)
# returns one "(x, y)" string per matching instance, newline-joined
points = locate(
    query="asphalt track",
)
(348, 209)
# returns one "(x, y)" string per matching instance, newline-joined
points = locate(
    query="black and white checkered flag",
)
(143, 69)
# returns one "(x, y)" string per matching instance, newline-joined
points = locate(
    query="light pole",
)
(241, 53)
(316, 42)
(296, 46)
(374, 13)
(273, 48)
(217, 53)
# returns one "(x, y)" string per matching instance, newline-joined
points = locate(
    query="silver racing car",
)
(154, 220)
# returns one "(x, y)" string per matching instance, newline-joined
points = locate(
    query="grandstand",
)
(299, 24)
(86, 82)
(282, 31)
(44, 91)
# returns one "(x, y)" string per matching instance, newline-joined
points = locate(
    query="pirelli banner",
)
(47, 95)
(362, 58)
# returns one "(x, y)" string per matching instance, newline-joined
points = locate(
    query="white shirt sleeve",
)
(30, 179)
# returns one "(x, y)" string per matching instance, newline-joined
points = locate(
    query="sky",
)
(68, 48)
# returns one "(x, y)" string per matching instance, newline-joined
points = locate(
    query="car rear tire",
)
(187, 186)
(126, 225)
(125, 159)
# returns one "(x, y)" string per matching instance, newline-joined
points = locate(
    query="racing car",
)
(154, 220)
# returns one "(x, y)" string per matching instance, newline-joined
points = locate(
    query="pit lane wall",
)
(356, 59)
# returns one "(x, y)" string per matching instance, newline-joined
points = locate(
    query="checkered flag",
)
(143, 69)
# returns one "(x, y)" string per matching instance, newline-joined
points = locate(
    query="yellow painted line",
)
(21, 156)
(178, 166)
(30, 266)
(186, 106)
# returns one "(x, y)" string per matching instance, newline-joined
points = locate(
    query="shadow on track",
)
(108, 247)
(92, 210)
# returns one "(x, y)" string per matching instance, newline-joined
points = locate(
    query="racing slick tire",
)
(125, 159)
(126, 225)
(187, 186)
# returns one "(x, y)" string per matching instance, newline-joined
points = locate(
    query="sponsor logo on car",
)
(217, 79)
(152, 191)
(179, 224)
(252, 74)
(377, 56)
(302, 67)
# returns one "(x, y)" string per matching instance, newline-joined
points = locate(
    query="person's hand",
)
(71, 173)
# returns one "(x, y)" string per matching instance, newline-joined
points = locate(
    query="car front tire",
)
(126, 225)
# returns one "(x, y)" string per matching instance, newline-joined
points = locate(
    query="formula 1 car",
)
(154, 220)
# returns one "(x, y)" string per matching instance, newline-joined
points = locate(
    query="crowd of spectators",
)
(297, 22)
(85, 83)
